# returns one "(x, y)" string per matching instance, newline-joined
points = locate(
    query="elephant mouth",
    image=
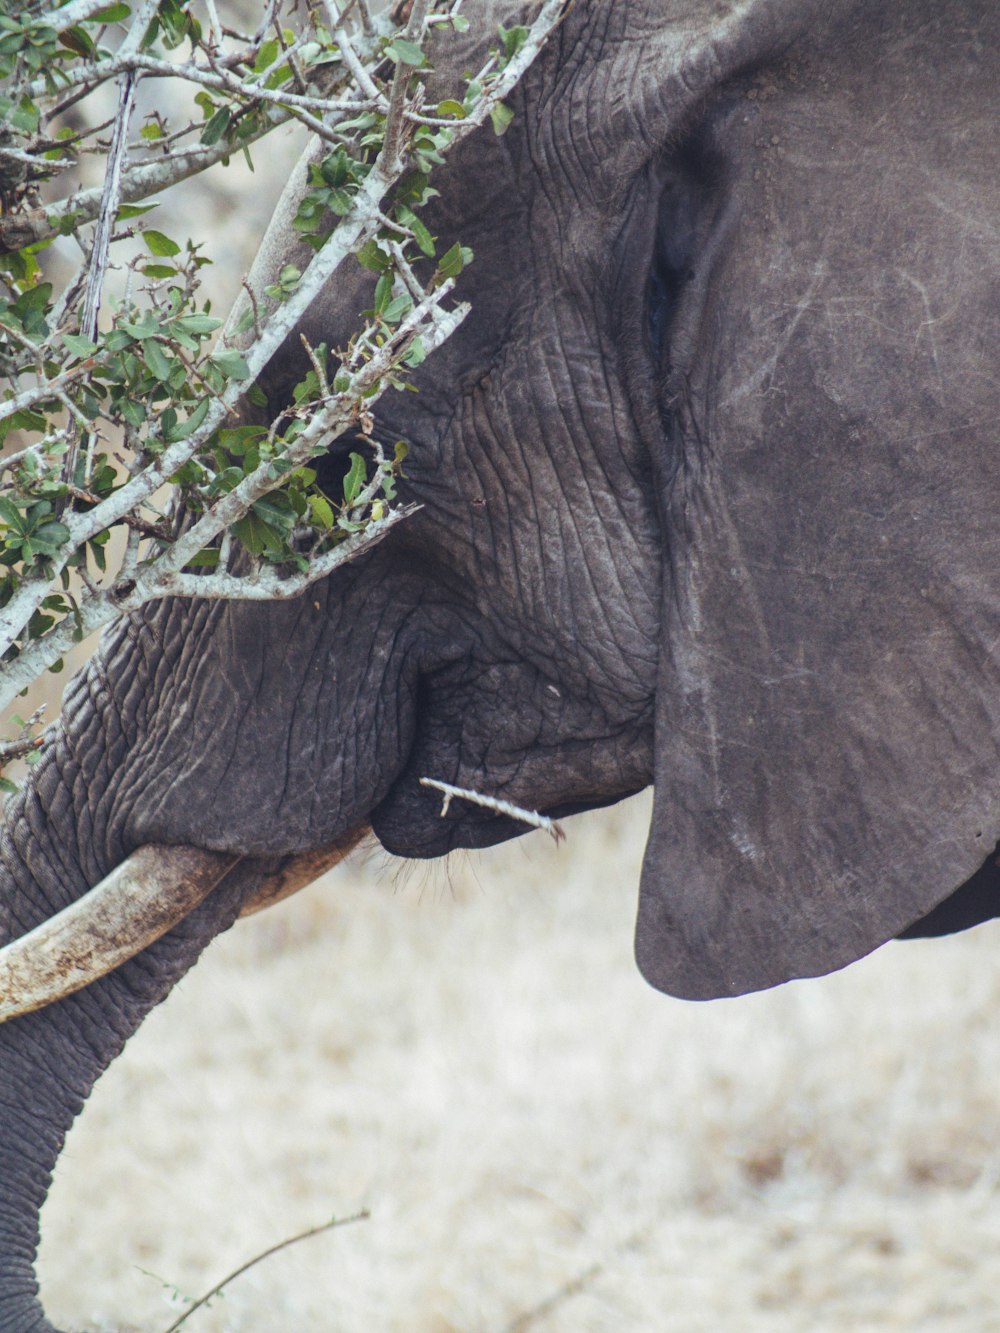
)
(464, 824)
(507, 732)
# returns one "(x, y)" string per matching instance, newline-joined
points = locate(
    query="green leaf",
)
(127, 211)
(25, 116)
(160, 245)
(35, 298)
(50, 536)
(258, 536)
(405, 53)
(355, 479)
(237, 439)
(383, 292)
(157, 360)
(78, 344)
(217, 126)
(372, 256)
(449, 107)
(513, 39)
(111, 14)
(421, 235)
(79, 41)
(159, 271)
(133, 412)
(266, 57)
(187, 427)
(416, 355)
(397, 308)
(207, 559)
(231, 363)
(454, 260)
(197, 324)
(320, 512)
(11, 515)
(501, 117)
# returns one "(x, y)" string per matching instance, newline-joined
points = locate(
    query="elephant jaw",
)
(130, 909)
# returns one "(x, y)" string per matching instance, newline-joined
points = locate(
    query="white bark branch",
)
(498, 806)
(165, 572)
(76, 12)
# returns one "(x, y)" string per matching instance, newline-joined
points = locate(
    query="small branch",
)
(148, 579)
(117, 153)
(264, 585)
(26, 742)
(351, 58)
(72, 14)
(334, 1223)
(51, 389)
(498, 806)
(392, 144)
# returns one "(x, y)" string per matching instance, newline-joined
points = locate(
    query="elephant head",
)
(709, 493)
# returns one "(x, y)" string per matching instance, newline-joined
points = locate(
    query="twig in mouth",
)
(494, 803)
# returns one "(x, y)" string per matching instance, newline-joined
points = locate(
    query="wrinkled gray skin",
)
(711, 500)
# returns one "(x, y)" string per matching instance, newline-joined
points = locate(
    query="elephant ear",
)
(828, 708)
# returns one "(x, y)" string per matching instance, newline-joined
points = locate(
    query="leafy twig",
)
(334, 1223)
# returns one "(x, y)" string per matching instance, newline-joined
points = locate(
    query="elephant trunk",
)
(50, 1059)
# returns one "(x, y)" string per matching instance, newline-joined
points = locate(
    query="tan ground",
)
(543, 1142)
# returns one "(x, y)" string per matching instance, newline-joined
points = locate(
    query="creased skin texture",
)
(49, 1060)
(715, 508)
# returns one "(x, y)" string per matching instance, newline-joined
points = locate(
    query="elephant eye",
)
(672, 260)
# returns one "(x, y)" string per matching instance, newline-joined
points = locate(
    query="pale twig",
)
(78, 11)
(26, 742)
(29, 397)
(268, 584)
(163, 576)
(215, 77)
(392, 144)
(334, 1222)
(495, 804)
(214, 26)
(404, 270)
(356, 228)
(117, 153)
(351, 58)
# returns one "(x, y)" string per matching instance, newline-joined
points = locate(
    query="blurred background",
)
(543, 1142)
(467, 1052)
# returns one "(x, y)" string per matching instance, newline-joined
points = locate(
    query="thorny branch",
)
(497, 805)
(152, 565)
(331, 1225)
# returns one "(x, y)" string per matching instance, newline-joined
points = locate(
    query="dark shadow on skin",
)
(978, 900)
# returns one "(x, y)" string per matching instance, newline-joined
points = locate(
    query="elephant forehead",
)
(630, 76)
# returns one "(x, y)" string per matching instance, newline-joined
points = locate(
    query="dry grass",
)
(544, 1143)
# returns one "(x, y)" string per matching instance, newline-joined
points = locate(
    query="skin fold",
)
(709, 493)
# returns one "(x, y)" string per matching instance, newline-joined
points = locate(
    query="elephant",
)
(709, 499)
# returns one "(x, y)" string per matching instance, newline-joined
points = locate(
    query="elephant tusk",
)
(297, 872)
(128, 911)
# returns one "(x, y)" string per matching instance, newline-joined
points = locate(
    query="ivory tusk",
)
(297, 872)
(129, 910)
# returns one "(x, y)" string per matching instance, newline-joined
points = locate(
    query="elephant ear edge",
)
(827, 743)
